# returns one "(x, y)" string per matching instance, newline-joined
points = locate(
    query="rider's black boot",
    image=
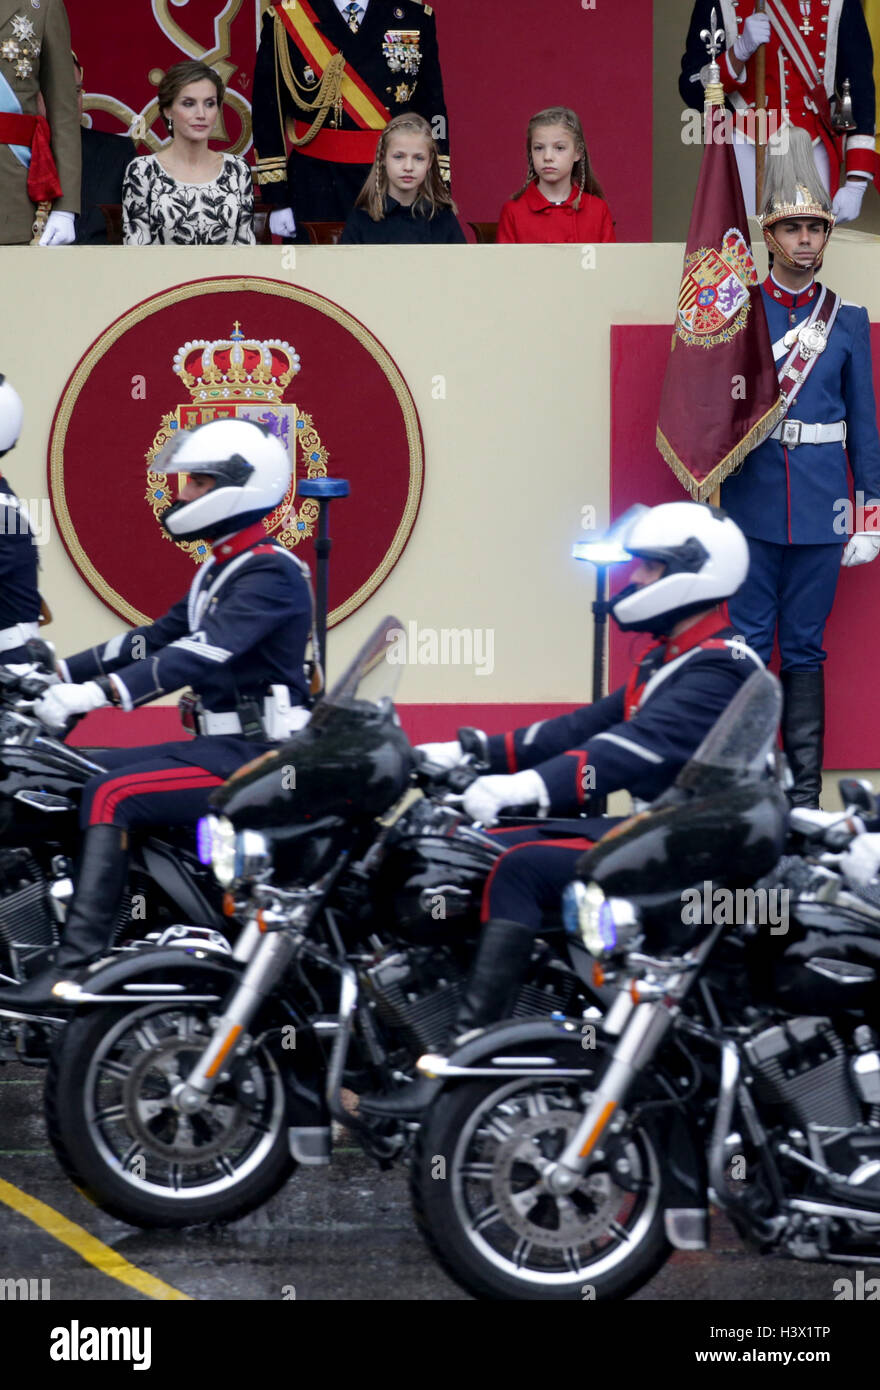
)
(803, 733)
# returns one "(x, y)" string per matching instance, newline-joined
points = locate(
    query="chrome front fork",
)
(641, 1038)
(270, 960)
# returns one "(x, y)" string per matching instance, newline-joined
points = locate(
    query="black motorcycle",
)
(738, 1062)
(170, 896)
(360, 890)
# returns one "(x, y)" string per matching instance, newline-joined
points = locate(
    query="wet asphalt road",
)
(338, 1233)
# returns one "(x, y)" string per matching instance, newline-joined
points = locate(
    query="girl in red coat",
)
(561, 199)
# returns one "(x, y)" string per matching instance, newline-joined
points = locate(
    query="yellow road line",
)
(94, 1251)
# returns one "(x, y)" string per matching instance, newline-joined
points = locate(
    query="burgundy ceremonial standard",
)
(721, 394)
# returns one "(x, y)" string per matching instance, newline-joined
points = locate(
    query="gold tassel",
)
(700, 491)
(322, 100)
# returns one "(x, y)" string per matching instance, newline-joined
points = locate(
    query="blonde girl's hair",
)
(582, 172)
(433, 193)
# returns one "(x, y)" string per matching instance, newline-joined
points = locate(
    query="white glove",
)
(61, 702)
(847, 202)
(60, 230)
(486, 798)
(445, 755)
(861, 548)
(756, 31)
(282, 222)
(861, 862)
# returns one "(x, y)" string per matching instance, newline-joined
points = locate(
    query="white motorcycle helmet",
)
(706, 559)
(11, 416)
(253, 474)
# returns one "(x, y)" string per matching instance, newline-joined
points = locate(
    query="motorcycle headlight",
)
(216, 837)
(605, 926)
(253, 854)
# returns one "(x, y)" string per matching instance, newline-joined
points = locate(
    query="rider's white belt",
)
(225, 722)
(17, 636)
(794, 432)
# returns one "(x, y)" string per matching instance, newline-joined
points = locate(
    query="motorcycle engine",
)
(417, 993)
(825, 1092)
(27, 927)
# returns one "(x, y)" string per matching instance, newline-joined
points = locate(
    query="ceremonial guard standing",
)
(812, 48)
(39, 160)
(329, 77)
(791, 497)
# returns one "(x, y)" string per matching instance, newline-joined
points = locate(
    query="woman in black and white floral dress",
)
(188, 194)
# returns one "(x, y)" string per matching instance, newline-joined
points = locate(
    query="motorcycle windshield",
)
(374, 674)
(739, 744)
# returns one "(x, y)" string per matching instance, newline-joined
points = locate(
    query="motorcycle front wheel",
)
(117, 1133)
(479, 1202)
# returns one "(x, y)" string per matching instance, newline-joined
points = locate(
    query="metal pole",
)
(324, 489)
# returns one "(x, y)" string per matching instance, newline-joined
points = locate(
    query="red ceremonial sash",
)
(43, 183)
(362, 104)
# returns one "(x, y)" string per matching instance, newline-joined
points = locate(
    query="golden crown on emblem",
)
(237, 368)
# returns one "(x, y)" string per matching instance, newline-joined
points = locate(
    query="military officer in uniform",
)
(330, 74)
(791, 496)
(35, 58)
(811, 48)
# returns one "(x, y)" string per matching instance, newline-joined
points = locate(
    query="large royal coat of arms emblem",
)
(714, 299)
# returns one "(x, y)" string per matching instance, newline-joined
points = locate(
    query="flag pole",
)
(760, 125)
(714, 97)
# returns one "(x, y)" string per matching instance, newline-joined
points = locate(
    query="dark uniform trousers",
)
(394, 62)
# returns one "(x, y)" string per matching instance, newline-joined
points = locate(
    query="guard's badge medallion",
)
(713, 303)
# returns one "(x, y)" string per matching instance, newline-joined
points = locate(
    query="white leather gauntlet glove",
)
(61, 702)
(861, 862)
(847, 203)
(282, 222)
(756, 31)
(445, 755)
(486, 798)
(60, 229)
(861, 548)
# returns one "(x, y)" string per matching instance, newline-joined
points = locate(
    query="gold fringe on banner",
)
(700, 491)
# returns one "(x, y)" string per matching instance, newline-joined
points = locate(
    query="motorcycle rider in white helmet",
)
(20, 602)
(238, 638)
(691, 559)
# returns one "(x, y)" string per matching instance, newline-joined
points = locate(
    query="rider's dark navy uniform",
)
(20, 602)
(238, 638)
(242, 629)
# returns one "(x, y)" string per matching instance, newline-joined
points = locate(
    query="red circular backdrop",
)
(346, 412)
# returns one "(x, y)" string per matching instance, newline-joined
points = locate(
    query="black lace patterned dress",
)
(159, 210)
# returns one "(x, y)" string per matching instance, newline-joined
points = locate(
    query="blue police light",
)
(600, 552)
(203, 840)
